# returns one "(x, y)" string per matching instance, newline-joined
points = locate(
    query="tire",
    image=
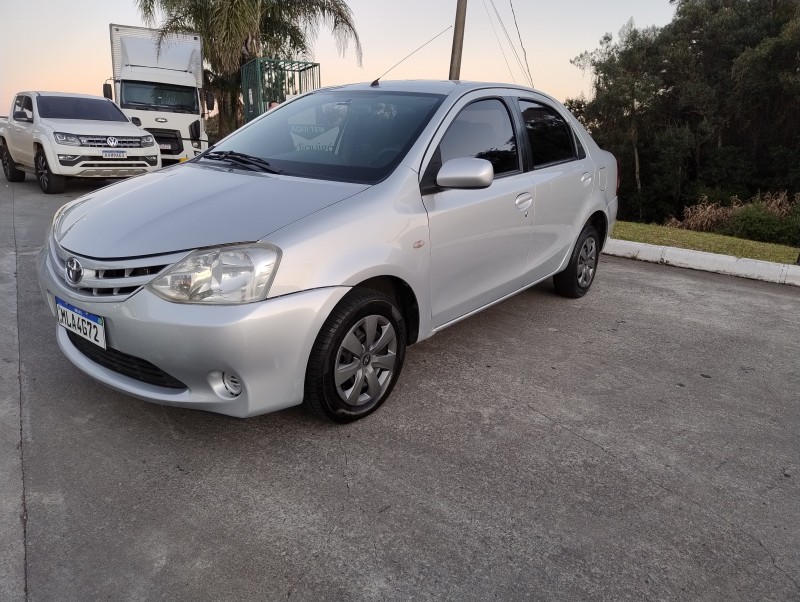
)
(364, 339)
(9, 169)
(575, 280)
(49, 182)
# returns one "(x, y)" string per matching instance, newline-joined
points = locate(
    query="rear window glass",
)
(70, 107)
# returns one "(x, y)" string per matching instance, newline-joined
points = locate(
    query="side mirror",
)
(22, 116)
(209, 100)
(136, 121)
(465, 172)
(107, 91)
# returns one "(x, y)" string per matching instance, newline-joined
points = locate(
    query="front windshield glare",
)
(354, 136)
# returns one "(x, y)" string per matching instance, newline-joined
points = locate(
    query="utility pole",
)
(458, 40)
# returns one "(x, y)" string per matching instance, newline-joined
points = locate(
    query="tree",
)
(235, 31)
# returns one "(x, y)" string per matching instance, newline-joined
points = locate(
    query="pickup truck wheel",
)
(9, 169)
(575, 281)
(356, 358)
(49, 182)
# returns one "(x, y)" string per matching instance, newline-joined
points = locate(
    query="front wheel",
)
(356, 358)
(576, 279)
(49, 182)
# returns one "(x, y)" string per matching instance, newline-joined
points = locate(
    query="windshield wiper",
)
(249, 161)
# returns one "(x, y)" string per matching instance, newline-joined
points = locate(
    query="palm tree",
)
(235, 31)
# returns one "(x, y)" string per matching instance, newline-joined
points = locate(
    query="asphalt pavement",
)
(641, 443)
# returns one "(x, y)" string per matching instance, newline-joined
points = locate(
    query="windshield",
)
(151, 96)
(346, 135)
(72, 107)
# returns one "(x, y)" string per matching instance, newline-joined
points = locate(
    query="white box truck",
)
(158, 87)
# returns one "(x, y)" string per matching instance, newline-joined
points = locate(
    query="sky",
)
(64, 46)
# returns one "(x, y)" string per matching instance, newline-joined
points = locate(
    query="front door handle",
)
(524, 201)
(586, 179)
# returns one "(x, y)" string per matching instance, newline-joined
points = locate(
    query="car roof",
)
(70, 94)
(430, 86)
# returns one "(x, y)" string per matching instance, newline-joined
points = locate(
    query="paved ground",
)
(640, 443)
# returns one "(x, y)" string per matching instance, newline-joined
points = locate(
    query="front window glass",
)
(149, 96)
(550, 136)
(347, 135)
(483, 130)
(72, 107)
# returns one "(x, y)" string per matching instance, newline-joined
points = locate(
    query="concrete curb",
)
(707, 262)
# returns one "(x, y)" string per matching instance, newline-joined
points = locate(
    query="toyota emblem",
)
(74, 271)
(111, 141)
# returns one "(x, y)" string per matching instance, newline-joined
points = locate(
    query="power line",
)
(499, 43)
(508, 37)
(521, 45)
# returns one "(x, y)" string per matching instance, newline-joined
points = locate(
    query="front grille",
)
(109, 279)
(168, 141)
(127, 365)
(102, 141)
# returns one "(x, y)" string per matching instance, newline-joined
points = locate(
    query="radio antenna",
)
(375, 83)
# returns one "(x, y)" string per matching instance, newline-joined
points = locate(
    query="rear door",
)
(480, 239)
(563, 179)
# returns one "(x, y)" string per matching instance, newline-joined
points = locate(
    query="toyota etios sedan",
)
(296, 260)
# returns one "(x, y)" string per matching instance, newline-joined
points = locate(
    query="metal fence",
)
(266, 80)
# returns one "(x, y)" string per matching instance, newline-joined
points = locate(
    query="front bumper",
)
(265, 345)
(89, 162)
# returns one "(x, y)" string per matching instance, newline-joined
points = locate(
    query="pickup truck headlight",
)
(148, 141)
(68, 139)
(221, 276)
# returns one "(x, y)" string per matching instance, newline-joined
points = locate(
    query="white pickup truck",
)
(56, 135)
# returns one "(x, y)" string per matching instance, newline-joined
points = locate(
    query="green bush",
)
(755, 222)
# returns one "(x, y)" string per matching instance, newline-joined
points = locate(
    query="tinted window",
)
(145, 95)
(549, 134)
(483, 130)
(71, 107)
(19, 105)
(354, 136)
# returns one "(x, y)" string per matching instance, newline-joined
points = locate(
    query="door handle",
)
(524, 201)
(586, 179)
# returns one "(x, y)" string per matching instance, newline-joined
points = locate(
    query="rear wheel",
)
(356, 358)
(576, 279)
(9, 169)
(49, 182)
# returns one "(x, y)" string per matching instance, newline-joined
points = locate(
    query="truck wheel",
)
(9, 169)
(49, 182)
(356, 358)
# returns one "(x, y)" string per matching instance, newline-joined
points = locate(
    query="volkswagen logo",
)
(74, 271)
(111, 141)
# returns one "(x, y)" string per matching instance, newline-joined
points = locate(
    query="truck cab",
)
(157, 84)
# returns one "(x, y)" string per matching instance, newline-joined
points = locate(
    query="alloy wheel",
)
(41, 171)
(587, 262)
(366, 361)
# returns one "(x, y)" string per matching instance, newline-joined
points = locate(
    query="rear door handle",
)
(524, 201)
(586, 179)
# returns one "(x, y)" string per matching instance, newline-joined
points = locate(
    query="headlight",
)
(148, 141)
(223, 276)
(68, 139)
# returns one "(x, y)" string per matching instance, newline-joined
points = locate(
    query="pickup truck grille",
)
(108, 279)
(102, 141)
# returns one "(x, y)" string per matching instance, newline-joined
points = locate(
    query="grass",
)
(704, 241)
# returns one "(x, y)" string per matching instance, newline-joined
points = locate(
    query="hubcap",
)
(41, 170)
(587, 262)
(365, 361)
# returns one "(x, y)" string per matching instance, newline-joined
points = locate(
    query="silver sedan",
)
(296, 260)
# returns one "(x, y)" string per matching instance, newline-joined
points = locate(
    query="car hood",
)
(190, 206)
(88, 127)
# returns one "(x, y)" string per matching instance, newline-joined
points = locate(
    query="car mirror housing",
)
(465, 172)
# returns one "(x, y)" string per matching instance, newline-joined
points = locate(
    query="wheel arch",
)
(600, 222)
(403, 295)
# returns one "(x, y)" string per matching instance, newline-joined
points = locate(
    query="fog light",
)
(232, 384)
(195, 143)
(151, 157)
(67, 157)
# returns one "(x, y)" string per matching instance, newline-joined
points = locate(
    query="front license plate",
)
(86, 325)
(165, 147)
(114, 154)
